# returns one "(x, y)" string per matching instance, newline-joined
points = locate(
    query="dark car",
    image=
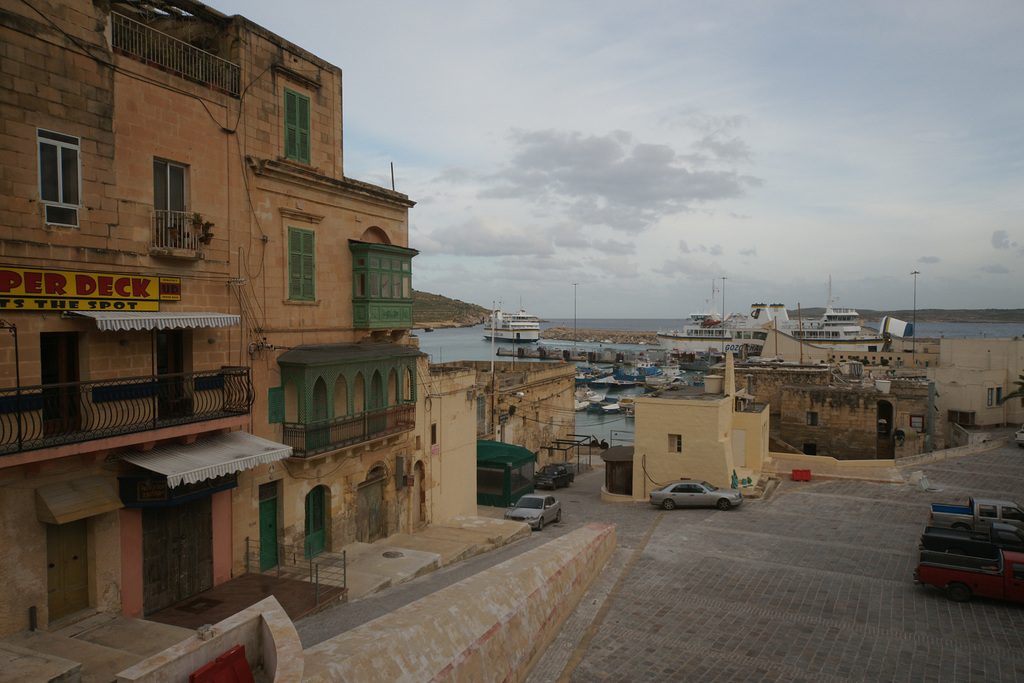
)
(973, 543)
(554, 475)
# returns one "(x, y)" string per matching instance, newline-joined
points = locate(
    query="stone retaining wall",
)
(493, 626)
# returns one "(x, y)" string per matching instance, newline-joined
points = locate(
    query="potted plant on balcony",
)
(202, 228)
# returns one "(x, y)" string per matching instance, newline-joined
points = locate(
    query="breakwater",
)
(600, 336)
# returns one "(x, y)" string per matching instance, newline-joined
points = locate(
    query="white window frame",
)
(62, 143)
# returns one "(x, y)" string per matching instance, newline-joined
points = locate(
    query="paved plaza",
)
(812, 584)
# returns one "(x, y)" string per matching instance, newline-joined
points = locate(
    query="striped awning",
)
(210, 457)
(116, 321)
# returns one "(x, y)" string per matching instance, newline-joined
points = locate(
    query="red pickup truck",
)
(963, 576)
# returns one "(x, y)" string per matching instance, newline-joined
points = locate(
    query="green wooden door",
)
(67, 568)
(315, 522)
(268, 526)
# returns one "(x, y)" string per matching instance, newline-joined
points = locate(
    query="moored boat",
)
(517, 328)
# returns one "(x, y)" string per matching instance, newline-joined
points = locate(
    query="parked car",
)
(695, 494)
(1020, 436)
(963, 577)
(535, 510)
(973, 543)
(554, 475)
(978, 514)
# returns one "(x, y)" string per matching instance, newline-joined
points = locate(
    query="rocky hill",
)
(434, 310)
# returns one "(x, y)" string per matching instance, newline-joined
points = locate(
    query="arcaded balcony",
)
(52, 415)
(308, 440)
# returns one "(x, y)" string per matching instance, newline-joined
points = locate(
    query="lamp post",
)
(725, 311)
(574, 320)
(913, 333)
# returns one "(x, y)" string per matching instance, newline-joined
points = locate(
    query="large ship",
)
(517, 328)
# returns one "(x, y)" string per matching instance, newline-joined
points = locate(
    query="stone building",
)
(523, 403)
(972, 376)
(708, 433)
(208, 356)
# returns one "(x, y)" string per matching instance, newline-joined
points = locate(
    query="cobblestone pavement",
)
(813, 584)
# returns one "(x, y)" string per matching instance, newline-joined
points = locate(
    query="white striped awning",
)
(116, 321)
(210, 457)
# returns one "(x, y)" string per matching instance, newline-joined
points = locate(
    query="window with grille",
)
(60, 177)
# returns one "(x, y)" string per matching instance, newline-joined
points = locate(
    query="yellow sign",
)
(38, 289)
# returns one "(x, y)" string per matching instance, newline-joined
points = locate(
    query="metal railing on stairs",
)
(290, 561)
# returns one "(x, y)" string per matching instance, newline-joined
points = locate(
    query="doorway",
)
(59, 366)
(369, 507)
(316, 518)
(268, 525)
(177, 552)
(67, 568)
(170, 363)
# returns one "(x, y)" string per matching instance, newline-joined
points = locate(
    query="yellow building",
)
(703, 433)
(208, 356)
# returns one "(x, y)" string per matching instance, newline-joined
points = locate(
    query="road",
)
(813, 584)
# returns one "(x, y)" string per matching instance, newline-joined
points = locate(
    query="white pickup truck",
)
(978, 514)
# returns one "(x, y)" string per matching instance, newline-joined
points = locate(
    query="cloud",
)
(929, 259)
(683, 247)
(486, 236)
(1000, 239)
(752, 251)
(611, 180)
(995, 269)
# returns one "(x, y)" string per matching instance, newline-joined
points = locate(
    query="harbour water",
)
(468, 343)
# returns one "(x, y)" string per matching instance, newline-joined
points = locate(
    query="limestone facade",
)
(117, 144)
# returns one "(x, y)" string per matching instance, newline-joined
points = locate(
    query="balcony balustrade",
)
(319, 437)
(50, 415)
(175, 230)
(136, 40)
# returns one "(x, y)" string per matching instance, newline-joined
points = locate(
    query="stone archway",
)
(371, 523)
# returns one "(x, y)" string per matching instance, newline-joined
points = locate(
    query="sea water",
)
(468, 343)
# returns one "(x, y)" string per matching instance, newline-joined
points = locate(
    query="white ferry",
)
(517, 328)
(707, 333)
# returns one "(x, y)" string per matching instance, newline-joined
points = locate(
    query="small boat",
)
(580, 405)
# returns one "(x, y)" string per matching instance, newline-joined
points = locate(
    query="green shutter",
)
(275, 405)
(301, 265)
(308, 266)
(303, 130)
(296, 126)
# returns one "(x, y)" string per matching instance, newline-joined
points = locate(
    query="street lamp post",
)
(913, 337)
(574, 320)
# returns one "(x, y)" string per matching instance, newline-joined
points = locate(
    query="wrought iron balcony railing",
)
(174, 229)
(166, 52)
(319, 437)
(50, 415)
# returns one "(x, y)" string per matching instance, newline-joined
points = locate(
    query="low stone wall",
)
(946, 453)
(493, 626)
(271, 646)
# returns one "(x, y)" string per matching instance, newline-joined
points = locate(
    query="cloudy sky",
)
(642, 151)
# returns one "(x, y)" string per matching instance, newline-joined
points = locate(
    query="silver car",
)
(695, 494)
(535, 510)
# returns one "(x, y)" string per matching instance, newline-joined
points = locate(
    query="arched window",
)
(320, 412)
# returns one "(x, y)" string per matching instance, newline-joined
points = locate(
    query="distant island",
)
(434, 310)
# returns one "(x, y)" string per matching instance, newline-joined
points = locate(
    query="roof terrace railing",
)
(138, 41)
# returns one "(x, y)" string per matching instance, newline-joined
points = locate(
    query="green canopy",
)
(504, 472)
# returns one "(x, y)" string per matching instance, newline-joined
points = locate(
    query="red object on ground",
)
(801, 475)
(230, 667)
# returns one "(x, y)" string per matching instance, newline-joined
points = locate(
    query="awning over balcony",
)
(115, 321)
(75, 499)
(211, 457)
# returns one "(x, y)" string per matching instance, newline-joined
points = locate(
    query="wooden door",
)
(369, 517)
(173, 400)
(315, 522)
(177, 552)
(58, 366)
(67, 568)
(268, 525)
